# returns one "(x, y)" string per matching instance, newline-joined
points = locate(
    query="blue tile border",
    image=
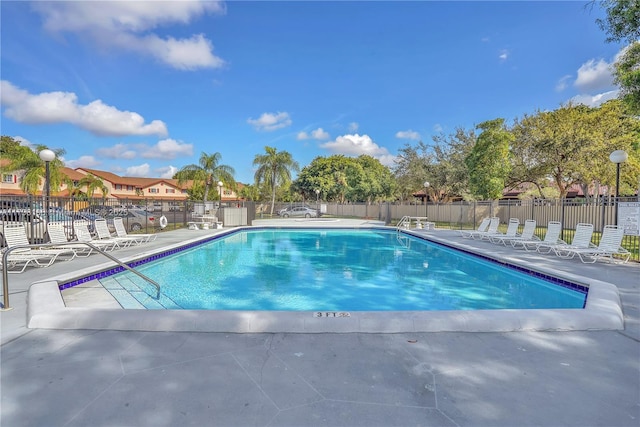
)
(115, 270)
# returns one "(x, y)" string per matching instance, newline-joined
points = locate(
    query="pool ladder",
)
(5, 272)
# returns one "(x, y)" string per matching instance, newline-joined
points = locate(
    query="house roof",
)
(72, 173)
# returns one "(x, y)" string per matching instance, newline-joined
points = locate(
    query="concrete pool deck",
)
(102, 377)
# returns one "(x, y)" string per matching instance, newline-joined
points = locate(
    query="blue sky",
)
(143, 88)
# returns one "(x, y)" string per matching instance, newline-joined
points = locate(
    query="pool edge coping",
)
(603, 311)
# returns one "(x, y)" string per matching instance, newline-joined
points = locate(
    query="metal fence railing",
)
(139, 215)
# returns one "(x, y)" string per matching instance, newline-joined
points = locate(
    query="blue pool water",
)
(336, 270)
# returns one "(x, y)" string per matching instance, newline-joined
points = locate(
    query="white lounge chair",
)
(494, 223)
(484, 225)
(512, 231)
(581, 240)
(15, 235)
(609, 246)
(551, 238)
(57, 234)
(84, 235)
(121, 231)
(102, 230)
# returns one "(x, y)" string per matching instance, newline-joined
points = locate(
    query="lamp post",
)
(617, 157)
(47, 156)
(220, 184)
(426, 199)
(318, 200)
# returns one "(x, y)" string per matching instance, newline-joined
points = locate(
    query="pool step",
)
(131, 295)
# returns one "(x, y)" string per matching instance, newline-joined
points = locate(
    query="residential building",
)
(119, 187)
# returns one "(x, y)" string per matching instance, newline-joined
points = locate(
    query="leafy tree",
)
(549, 144)
(411, 169)
(449, 175)
(207, 173)
(572, 146)
(627, 76)
(623, 20)
(488, 161)
(24, 159)
(622, 23)
(373, 181)
(330, 175)
(249, 192)
(341, 178)
(274, 169)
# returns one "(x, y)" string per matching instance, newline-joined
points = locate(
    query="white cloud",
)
(355, 145)
(563, 83)
(166, 172)
(504, 54)
(353, 127)
(118, 151)
(438, 128)
(141, 171)
(62, 107)
(302, 136)
(595, 100)
(166, 149)
(125, 25)
(408, 134)
(594, 75)
(83, 162)
(320, 134)
(269, 122)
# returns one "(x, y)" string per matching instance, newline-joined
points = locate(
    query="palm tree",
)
(207, 172)
(274, 169)
(25, 159)
(93, 183)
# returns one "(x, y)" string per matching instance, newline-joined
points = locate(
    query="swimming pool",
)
(335, 270)
(75, 300)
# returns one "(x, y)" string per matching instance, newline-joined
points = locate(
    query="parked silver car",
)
(300, 211)
(134, 219)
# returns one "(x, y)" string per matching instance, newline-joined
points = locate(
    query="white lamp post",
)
(426, 199)
(47, 156)
(220, 184)
(617, 157)
(318, 199)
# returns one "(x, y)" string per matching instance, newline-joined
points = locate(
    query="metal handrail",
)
(5, 272)
(406, 221)
(402, 222)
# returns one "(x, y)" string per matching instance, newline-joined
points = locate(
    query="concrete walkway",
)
(132, 378)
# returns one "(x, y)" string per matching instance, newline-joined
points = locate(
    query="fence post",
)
(562, 219)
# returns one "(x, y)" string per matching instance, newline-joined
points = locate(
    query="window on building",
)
(129, 187)
(170, 190)
(153, 190)
(7, 178)
(118, 187)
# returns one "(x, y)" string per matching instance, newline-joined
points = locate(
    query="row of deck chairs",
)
(610, 246)
(29, 255)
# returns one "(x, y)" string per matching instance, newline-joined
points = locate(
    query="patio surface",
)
(133, 378)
